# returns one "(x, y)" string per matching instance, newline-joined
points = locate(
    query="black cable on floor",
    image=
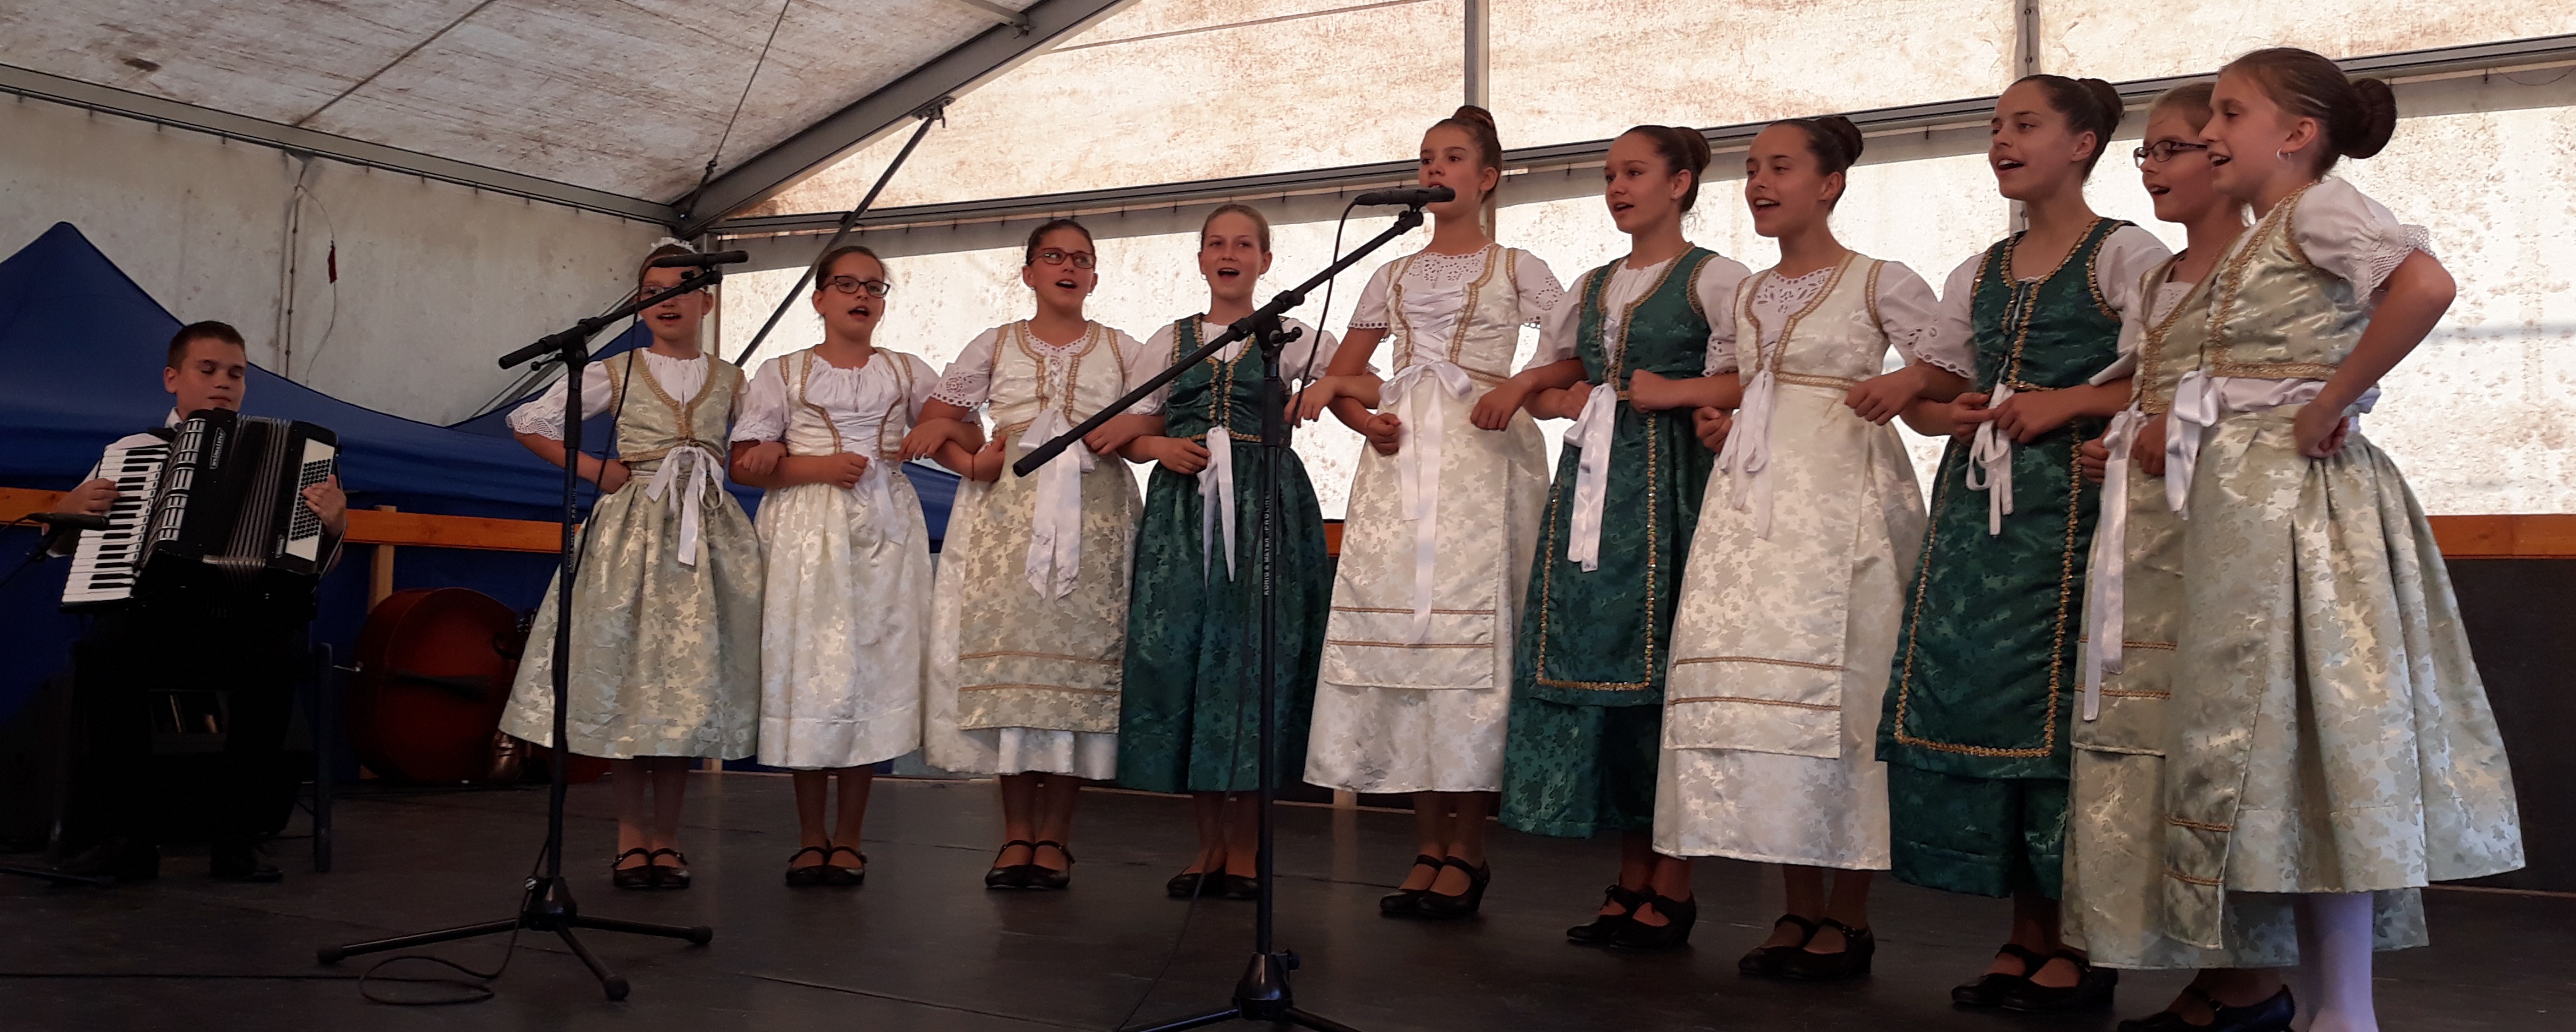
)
(476, 991)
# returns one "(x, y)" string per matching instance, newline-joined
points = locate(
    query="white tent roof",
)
(623, 97)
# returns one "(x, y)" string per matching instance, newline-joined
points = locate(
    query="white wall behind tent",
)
(2478, 417)
(435, 280)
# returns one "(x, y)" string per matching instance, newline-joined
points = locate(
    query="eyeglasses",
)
(852, 285)
(2163, 151)
(1059, 256)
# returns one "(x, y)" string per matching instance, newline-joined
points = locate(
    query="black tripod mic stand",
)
(1262, 994)
(547, 904)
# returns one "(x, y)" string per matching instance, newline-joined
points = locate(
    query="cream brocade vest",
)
(1024, 660)
(1760, 659)
(1371, 638)
(652, 423)
(811, 430)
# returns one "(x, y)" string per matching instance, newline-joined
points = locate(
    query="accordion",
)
(217, 505)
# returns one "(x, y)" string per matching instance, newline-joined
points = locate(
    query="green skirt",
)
(1189, 713)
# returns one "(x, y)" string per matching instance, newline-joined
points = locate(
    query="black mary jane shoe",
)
(1014, 876)
(1764, 961)
(2092, 990)
(639, 877)
(1852, 962)
(1464, 904)
(1040, 876)
(673, 875)
(1679, 915)
(1408, 902)
(1988, 989)
(1186, 885)
(2271, 1015)
(1238, 886)
(843, 874)
(816, 873)
(1605, 927)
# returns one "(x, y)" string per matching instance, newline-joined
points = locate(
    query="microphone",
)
(1410, 196)
(67, 522)
(700, 261)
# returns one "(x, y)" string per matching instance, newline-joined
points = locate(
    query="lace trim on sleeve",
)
(1540, 292)
(2383, 255)
(969, 380)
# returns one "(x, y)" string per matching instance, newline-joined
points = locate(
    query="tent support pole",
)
(933, 112)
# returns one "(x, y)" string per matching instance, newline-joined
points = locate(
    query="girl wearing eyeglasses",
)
(845, 619)
(1191, 721)
(1983, 693)
(1029, 628)
(665, 662)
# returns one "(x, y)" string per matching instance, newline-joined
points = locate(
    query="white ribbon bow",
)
(878, 482)
(699, 461)
(1592, 433)
(1417, 464)
(1990, 469)
(1216, 500)
(1747, 458)
(2106, 577)
(1055, 528)
(2196, 408)
(2201, 399)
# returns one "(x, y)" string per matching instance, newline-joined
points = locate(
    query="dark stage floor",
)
(924, 946)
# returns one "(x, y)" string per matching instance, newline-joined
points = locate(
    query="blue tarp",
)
(83, 346)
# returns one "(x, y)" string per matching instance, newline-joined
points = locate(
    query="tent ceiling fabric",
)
(626, 96)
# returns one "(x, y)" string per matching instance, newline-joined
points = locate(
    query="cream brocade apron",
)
(1023, 660)
(1435, 554)
(666, 601)
(845, 623)
(2328, 731)
(1791, 601)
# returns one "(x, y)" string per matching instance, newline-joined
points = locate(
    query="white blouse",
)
(1906, 311)
(2355, 238)
(681, 378)
(856, 399)
(969, 380)
(1435, 290)
(1312, 350)
(2127, 255)
(1714, 286)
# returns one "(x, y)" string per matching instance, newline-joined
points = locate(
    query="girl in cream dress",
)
(665, 660)
(1029, 627)
(845, 622)
(1794, 585)
(1443, 514)
(2328, 739)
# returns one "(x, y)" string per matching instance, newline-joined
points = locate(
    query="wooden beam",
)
(368, 527)
(2550, 536)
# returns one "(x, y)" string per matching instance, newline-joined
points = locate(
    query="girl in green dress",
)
(1586, 723)
(1977, 717)
(1189, 718)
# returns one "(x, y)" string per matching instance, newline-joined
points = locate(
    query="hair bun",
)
(1843, 130)
(1695, 145)
(2107, 98)
(2373, 122)
(1472, 113)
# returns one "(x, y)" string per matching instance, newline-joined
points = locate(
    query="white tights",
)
(2332, 981)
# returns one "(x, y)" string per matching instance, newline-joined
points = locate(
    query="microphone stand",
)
(546, 904)
(1263, 993)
